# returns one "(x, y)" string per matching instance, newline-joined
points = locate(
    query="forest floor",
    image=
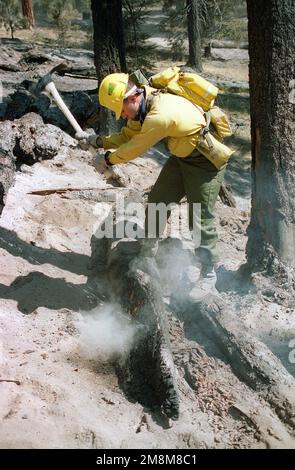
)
(58, 333)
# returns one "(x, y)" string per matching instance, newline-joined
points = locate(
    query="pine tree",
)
(194, 34)
(109, 50)
(271, 244)
(28, 12)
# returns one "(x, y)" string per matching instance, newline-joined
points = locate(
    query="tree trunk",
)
(28, 12)
(109, 46)
(271, 244)
(109, 50)
(194, 35)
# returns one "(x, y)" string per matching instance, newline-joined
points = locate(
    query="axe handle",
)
(50, 88)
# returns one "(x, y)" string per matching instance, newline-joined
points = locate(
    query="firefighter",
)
(151, 117)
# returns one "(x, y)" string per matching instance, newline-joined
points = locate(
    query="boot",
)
(205, 286)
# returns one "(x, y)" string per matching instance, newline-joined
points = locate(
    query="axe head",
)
(41, 84)
(43, 81)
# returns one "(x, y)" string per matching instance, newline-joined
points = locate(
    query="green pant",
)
(196, 178)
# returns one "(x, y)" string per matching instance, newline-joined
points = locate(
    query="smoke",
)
(105, 333)
(177, 267)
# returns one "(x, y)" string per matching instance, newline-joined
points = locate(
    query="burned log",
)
(82, 105)
(226, 195)
(250, 359)
(147, 373)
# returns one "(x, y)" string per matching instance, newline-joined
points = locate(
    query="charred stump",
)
(147, 373)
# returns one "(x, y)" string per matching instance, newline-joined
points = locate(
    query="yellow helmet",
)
(112, 91)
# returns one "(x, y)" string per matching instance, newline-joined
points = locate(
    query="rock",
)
(20, 103)
(41, 105)
(9, 58)
(8, 136)
(26, 140)
(230, 54)
(80, 105)
(7, 170)
(17, 44)
(232, 86)
(54, 116)
(33, 57)
(37, 141)
(218, 44)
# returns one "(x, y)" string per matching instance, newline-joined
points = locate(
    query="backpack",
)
(189, 85)
(197, 90)
(202, 94)
(194, 88)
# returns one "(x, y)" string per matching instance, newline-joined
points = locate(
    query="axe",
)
(46, 84)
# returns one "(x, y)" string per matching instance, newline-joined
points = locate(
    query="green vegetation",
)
(138, 53)
(219, 19)
(11, 16)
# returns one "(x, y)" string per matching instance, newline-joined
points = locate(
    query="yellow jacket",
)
(170, 117)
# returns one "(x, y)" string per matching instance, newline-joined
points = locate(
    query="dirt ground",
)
(58, 385)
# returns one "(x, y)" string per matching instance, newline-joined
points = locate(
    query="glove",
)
(107, 158)
(86, 140)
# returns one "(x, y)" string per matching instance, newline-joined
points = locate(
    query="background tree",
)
(271, 244)
(109, 49)
(224, 19)
(82, 6)
(175, 26)
(218, 19)
(138, 53)
(28, 12)
(194, 34)
(10, 15)
(60, 12)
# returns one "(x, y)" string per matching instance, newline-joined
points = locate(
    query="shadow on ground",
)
(39, 290)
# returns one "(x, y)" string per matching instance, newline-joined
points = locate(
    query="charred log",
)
(250, 359)
(226, 195)
(147, 373)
